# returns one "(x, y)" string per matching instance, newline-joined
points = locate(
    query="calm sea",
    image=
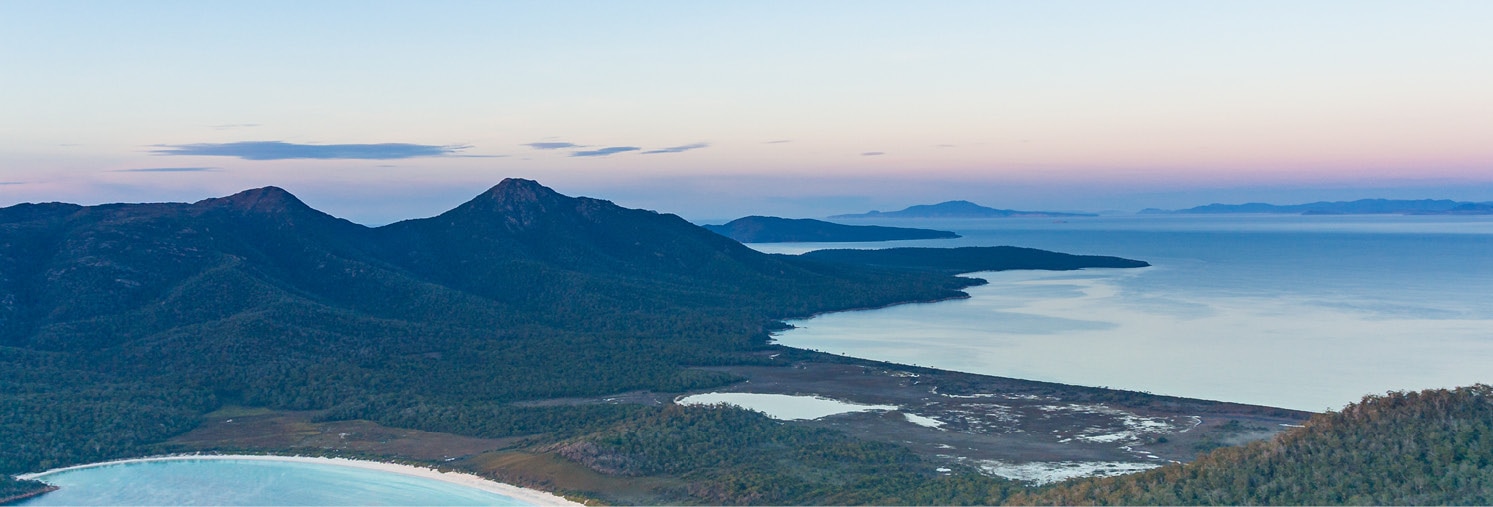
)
(252, 482)
(1306, 312)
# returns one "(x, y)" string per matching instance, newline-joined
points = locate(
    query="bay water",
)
(251, 482)
(1304, 312)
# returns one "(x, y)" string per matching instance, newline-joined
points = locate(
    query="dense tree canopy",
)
(120, 324)
(1431, 447)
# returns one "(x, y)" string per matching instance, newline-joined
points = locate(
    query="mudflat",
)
(995, 423)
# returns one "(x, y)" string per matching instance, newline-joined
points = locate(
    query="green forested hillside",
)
(1432, 447)
(119, 324)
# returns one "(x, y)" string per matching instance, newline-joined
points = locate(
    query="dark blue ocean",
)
(1306, 312)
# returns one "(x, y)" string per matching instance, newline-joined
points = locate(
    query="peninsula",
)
(972, 258)
(760, 229)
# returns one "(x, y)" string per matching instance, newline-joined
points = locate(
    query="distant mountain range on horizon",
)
(959, 209)
(1358, 207)
(760, 229)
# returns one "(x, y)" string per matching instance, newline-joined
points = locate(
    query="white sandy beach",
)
(532, 496)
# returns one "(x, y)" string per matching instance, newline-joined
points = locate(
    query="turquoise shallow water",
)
(1292, 311)
(252, 482)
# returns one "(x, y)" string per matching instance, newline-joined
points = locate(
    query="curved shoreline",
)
(532, 496)
(977, 283)
(885, 306)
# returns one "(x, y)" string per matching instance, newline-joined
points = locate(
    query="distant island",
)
(959, 209)
(759, 229)
(1358, 207)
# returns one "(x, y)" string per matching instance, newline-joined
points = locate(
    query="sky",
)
(380, 111)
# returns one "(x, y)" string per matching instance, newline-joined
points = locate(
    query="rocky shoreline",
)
(17, 498)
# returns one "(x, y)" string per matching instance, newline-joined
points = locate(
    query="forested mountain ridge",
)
(120, 323)
(518, 244)
(76, 264)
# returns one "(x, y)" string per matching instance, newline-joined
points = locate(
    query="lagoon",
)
(1293, 311)
(783, 406)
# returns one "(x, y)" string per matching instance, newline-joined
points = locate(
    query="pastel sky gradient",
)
(378, 111)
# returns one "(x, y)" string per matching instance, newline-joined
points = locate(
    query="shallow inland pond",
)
(782, 406)
(254, 480)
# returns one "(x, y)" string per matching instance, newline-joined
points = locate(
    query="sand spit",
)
(526, 495)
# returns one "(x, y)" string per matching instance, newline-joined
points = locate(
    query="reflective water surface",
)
(252, 482)
(782, 406)
(1300, 312)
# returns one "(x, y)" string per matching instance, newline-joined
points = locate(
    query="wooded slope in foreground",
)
(1432, 447)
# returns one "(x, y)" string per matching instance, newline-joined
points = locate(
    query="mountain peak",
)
(519, 190)
(261, 200)
(512, 194)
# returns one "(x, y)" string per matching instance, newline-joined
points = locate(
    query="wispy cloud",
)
(604, 151)
(231, 126)
(945, 146)
(779, 141)
(553, 145)
(279, 150)
(677, 149)
(167, 170)
(873, 153)
(12, 183)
